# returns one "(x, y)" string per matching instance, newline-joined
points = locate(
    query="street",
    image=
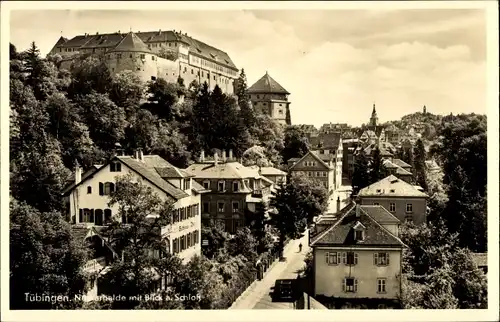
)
(259, 296)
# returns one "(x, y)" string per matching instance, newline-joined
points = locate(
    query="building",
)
(275, 175)
(233, 189)
(88, 198)
(349, 151)
(357, 257)
(400, 198)
(321, 166)
(481, 261)
(398, 171)
(152, 55)
(269, 97)
(334, 127)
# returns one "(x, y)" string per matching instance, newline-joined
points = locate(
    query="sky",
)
(335, 63)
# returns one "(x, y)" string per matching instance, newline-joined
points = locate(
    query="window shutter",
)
(375, 259)
(344, 258)
(387, 257)
(355, 285)
(80, 216)
(101, 188)
(326, 256)
(111, 187)
(343, 285)
(355, 259)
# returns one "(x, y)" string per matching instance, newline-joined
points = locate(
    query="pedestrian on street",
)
(300, 247)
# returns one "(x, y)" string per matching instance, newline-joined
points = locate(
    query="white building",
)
(88, 199)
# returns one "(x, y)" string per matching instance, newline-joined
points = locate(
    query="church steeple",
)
(374, 117)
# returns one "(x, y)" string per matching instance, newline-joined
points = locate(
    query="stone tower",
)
(425, 109)
(269, 97)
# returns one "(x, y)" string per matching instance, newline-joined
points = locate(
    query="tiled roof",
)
(93, 169)
(226, 170)
(131, 43)
(269, 171)
(401, 163)
(380, 214)
(342, 233)
(266, 84)
(196, 47)
(198, 187)
(389, 165)
(403, 172)
(391, 183)
(330, 140)
(324, 157)
(322, 162)
(148, 172)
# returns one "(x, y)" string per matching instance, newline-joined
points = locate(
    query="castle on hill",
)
(152, 55)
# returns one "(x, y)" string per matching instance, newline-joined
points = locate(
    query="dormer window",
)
(115, 167)
(206, 184)
(220, 186)
(187, 184)
(393, 191)
(379, 190)
(236, 186)
(359, 231)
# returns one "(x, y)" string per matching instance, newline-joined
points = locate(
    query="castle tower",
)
(425, 109)
(269, 97)
(374, 118)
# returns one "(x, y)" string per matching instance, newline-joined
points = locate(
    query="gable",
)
(310, 161)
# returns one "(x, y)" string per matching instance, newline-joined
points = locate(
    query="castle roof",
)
(266, 84)
(111, 40)
(391, 186)
(131, 43)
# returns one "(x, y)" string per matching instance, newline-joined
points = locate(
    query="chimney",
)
(78, 173)
(357, 211)
(140, 155)
(202, 156)
(231, 154)
(216, 158)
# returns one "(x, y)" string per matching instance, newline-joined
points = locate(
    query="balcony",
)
(95, 264)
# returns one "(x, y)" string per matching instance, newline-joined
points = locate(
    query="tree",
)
(419, 164)
(137, 237)
(106, 120)
(296, 143)
(243, 243)
(217, 239)
(266, 133)
(90, 74)
(255, 155)
(361, 175)
(241, 90)
(163, 98)
(288, 117)
(44, 259)
(377, 170)
(127, 91)
(295, 205)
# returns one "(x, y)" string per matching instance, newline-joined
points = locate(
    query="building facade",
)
(152, 55)
(269, 97)
(357, 258)
(403, 200)
(88, 199)
(233, 189)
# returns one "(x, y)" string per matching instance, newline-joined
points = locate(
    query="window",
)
(192, 71)
(409, 219)
(350, 258)
(89, 190)
(152, 57)
(333, 258)
(188, 236)
(375, 203)
(381, 285)
(176, 245)
(106, 188)
(220, 186)
(381, 259)
(206, 184)
(220, 206)
(131, 56)
(153, 78)
(379, 190)
(187, 184)
(107, 216)
(183, 243)
(143, 56)
(236, 206)
(392, 207)
(236, 186)
(115, 167)
(214, 77)
(280, 111)
(392, 190)
(98, 216)
(118, 56)
(359, 235)
(202, 74)
(409, 208)
(206, 207)
(317, 174)
(350, 285)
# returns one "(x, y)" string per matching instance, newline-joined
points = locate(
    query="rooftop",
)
(266, 84)
(131, 43)
(341, 233)
(325, 140)
(391, 186)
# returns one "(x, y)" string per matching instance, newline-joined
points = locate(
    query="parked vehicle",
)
(284, 290)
